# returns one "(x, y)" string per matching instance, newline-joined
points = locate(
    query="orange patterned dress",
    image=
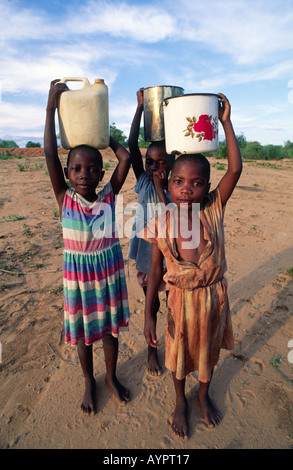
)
(199, 320)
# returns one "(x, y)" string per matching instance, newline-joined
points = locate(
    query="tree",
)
(253, 150)
(272, 152)
(117, 134)
(241, 139)
(32, 144)
(222, 150)
(10, 144)
(141, 142)
(287, 150)
(288, 145)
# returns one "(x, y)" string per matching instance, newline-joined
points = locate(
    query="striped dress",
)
(95, 292)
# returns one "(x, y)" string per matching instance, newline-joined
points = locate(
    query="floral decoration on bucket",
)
(205, 128)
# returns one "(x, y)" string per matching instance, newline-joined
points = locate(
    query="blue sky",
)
(243, 48)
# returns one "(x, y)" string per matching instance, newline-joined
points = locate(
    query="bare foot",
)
(153, 366)
(88, 404)
(121, 393)
(179, 421)
(211, 414)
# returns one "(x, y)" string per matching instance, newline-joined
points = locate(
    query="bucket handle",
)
(75, 79)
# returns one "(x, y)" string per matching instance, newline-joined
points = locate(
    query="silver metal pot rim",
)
(164, 86)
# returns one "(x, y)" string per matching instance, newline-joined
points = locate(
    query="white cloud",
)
(264, 127)
(250, 31)
(32, 74)
(20, 22)
(202, 46)
(218, 79)
(20, 117)
(143, 23)
(122, 112)
(146, 24)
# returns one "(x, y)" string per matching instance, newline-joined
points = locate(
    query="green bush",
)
(255, 151)
(252, 150)
(118, 135)
(141, 142)
(287, 149)
(10, 144)
(32, 144)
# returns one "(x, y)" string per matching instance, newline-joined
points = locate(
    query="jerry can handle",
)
(75, 79)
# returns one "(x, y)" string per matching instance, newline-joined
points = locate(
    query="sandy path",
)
(41, 383)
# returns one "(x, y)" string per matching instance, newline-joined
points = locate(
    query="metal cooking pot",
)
(153, 98)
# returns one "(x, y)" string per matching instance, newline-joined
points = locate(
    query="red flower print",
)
(204, 125)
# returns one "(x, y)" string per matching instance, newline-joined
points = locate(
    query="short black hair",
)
(194, 157)
(86, 147)
(162, 144)
(158, 143)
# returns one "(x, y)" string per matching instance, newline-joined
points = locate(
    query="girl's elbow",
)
(123, 156)
(237, 174)
(127, 159)
(238, 171)
(240, 167)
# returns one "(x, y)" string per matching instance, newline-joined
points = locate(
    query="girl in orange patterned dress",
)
(199, 321)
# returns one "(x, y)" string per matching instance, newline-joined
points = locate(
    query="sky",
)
(242, 48)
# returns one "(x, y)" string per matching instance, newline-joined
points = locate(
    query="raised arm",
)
(50, 143)
(121, 170)
(159, 178)
(137, 163)
(232, 175)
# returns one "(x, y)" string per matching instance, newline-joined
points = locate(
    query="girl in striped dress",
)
(95, 294)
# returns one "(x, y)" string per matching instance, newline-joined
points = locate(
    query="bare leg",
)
(179, 423)
(153, 365)
(211, 414)
(85, 354)
(121, 393)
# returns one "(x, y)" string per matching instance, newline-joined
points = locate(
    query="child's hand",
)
(160, 178)
(224, 109)
(139, 95)
(150, 333)
(55, 91)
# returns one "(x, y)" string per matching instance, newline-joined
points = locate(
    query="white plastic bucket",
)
(191, 123)
(153, 98)
(84, 115)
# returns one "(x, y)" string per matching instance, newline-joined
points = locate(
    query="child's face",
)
(188, 183)
(156, 159)
(84, 173)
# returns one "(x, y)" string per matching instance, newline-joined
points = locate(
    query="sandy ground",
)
(41, 382)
